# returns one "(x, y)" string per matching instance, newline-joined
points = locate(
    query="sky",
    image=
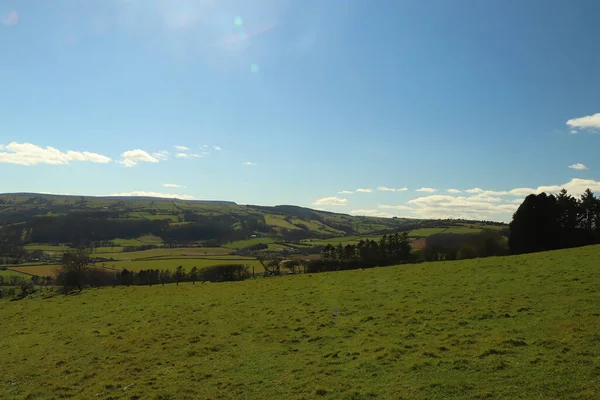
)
(424, 108)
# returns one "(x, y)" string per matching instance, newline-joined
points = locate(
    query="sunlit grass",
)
(522, 327)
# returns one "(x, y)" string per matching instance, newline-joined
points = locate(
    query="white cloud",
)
(484, 197)
(249, 164)
(132, 157)
(398, 207)
(372, 213)
(578, 166)
(364, 190)
(453, 191)
(575, 187)
(591, 122)
(217, 148)
(488, 192)
(31, 154)
(182, 155)
(346, 192)
(196, 156)
(443, 206)
(427, 190)
(161, 155)
(387, 189)
(152, 194)
(573, 132)
(522, 192)
(182, 148)
(173, 185)
(331, 201)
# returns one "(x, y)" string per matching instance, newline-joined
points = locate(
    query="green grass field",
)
(167, 252)
(521, 327)
(40, 270)
(248, 242)
(48, 248)
(7, 273)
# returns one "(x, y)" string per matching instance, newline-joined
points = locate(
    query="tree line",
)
(548, 222)
(388, 250)
(76, 272)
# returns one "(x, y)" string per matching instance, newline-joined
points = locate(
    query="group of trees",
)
(76, 272)
(389, 249)
(548, 222)
(444, 246)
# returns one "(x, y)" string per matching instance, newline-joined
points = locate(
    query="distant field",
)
(424, 232)
(344, 240)
(188, 264)
(168, 252)
(8, 273)
(276, 220)
(136, 265)
(248, 242)
(520, 327)
(142, 240)
(48, 248)
(40, 270)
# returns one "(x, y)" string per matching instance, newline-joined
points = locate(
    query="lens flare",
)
(238, 21)
(254, 68)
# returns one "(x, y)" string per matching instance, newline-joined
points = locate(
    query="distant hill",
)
(113, 197)
(48, 218)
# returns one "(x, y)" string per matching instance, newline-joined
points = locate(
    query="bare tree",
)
(271, 264)
(73, 269)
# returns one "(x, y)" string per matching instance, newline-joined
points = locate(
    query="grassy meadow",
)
(519, 327)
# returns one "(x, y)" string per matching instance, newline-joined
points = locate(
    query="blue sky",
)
(301, 102)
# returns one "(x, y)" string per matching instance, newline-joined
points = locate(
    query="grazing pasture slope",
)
(520, 327)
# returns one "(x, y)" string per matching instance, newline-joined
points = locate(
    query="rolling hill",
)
(518, 327)
(27, 218)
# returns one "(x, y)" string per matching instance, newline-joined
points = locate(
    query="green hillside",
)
(39, 220)
(519, 327)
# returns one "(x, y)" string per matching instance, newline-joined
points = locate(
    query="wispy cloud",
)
(426, 190)
(153, 194)
(217, 148)
(182, 148)
(397, 207)
(31, 154)
(249, 164)
(387, 189)
(173, 185)
(364, 190)
(132, 157)
(578, 166)
(12, 18)
(331, 201)
(182, 155)
(488, 192)
(346, 192)
(443, 206)
(590, 122)
(162, 155)
(453, 191)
